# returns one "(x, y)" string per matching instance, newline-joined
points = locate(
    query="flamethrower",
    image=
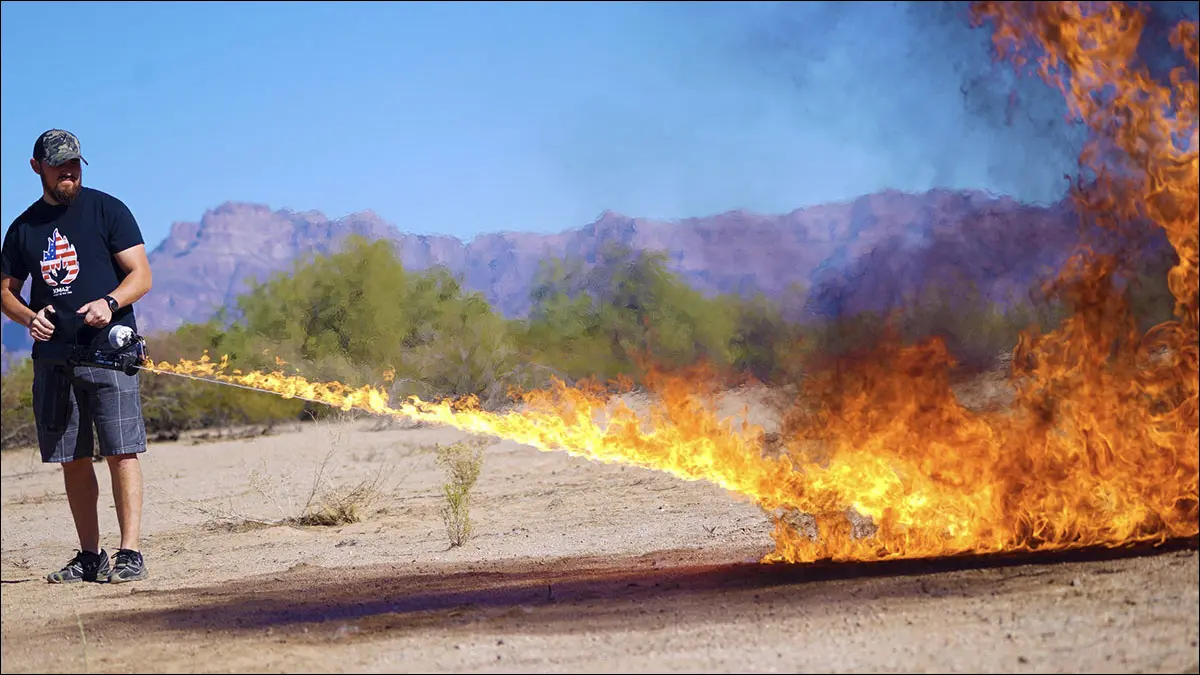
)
(117, 347)
(120, 348)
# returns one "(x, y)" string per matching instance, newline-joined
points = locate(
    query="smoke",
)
(698, 108)
(920, 86)
(691, 109)
(788, 104)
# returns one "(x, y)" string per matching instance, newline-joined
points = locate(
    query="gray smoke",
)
(919, 85)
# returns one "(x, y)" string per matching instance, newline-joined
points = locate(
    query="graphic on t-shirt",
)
(60, 265)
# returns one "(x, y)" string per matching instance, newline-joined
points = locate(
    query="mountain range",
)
(864, 253)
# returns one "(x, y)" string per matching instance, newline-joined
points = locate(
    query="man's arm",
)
(12, 278)
(138, 279)
(12, 304)
(136, 283)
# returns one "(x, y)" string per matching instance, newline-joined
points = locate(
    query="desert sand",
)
(573, 566)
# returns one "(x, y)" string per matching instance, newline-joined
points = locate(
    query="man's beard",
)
(64, 197)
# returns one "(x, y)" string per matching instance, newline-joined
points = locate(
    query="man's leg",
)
(117, 409)
(83, 495)
(127, 493)
(64, 427)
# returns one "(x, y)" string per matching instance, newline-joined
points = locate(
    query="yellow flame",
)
(1100, 447)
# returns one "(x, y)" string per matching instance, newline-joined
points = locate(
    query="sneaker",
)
(127, 566)
(85, 566)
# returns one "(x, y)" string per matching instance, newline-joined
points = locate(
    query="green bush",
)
(624, 314)
(461, 462)
(357, 313)
(17, 427)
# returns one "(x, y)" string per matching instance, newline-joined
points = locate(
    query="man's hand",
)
(41, 328)
(96, 313)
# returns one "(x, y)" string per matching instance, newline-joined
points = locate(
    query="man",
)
(86, 256)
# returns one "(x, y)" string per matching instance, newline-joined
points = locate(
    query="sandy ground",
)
(574, 566)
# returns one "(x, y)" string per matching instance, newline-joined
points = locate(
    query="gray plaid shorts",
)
(68, 402)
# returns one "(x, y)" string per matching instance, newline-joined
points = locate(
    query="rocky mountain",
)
(858, 254)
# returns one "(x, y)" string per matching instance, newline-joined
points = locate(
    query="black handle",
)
(65, 320)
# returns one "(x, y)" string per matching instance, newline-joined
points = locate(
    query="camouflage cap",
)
(56, 147)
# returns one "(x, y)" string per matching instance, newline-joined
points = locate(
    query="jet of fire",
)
(1100, 447)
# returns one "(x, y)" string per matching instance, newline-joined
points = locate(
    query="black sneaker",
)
(127, 566)
(85, 566)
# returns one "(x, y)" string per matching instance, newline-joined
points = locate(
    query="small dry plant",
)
(330, 505)
(462, 462)
(326, 504)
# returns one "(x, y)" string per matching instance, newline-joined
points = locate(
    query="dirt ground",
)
(574, 566)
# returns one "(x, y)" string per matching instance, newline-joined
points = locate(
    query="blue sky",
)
(461, 118)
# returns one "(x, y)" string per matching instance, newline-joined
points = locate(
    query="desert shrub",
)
(624, 313)
(975, 329)
(17, 429)
(461, 462)
(357, 313)
(762, 344)
(324, 503)
(331, 505)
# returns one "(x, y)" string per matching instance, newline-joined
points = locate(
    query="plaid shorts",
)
(67, 402)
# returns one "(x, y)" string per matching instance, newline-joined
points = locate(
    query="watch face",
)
(112, 304)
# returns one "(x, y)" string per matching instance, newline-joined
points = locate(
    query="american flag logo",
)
(59, 257)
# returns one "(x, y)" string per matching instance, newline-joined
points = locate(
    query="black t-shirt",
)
(68, 252)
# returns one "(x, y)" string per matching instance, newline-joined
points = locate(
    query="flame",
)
(1100, 446)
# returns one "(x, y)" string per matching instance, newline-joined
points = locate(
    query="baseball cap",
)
(56, 147)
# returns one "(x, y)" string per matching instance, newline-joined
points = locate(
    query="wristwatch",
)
(113, 305)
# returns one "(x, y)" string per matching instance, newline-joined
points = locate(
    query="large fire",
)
(1100, 447)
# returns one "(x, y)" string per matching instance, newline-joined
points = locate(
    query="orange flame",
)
(1099, 448)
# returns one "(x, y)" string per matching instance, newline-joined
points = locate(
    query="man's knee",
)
(79, 476)
(127, 459)
(77, 465)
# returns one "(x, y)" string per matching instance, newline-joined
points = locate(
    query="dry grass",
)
(331, 505)
(325, 503)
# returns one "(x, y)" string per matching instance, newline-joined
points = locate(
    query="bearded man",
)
(86, 256)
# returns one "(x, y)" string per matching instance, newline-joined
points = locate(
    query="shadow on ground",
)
(561, 596)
